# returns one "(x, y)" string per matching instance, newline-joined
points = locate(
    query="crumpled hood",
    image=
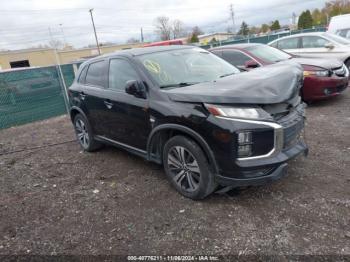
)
(319, 62)
(267, 85)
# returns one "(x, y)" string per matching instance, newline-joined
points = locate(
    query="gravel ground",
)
(60, 200)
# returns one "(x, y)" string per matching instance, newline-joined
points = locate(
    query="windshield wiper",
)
(179, 84)
(227, 74)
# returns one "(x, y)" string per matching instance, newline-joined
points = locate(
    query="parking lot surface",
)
(56, 199)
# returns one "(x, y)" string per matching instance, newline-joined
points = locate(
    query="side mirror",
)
(135, 88)
(251, 64)
(329, 46)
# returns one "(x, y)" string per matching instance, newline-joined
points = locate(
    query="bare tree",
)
(54, 43)
(197, 31)
(178, 29)
(133, 40)
(163, 26)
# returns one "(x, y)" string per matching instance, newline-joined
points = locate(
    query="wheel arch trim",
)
(193, 134)
(73, 108)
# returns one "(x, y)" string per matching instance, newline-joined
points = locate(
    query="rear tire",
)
(84, 134)
(187, 168)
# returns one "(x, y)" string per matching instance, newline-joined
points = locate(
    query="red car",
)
(323, 77)
(167, 42)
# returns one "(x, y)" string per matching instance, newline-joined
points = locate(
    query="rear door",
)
(128, 118)
(92, 93)
(290, 45)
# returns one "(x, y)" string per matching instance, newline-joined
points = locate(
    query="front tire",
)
(84, 134)
(187, 168)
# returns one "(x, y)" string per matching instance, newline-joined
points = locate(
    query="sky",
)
(26, 23)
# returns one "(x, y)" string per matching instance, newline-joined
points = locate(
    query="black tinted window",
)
(95, 74)
(290, 43)
(82, 75)
(120, 72)
(235, 58)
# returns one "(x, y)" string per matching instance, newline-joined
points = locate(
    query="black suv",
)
(212, 127)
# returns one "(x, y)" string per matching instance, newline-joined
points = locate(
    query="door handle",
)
(108, 103)
(82, 95)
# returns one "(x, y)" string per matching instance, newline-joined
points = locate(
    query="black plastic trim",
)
(198, 138)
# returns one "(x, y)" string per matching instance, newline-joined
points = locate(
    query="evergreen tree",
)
(305, 20)
(244, 29)
(275, 25)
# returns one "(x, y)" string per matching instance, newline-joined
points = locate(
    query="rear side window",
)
(82, 75)
(235, 58)
(95, 74)
(314, 42)
(290, 43)
(120, 72)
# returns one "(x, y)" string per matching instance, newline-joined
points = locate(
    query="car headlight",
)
(321, 73)
(238, 112)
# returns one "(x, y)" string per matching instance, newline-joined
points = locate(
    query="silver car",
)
(316, 45)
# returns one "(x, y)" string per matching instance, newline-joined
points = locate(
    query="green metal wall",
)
(28, 95)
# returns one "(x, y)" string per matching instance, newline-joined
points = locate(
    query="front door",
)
(315, 46)
(128, 118)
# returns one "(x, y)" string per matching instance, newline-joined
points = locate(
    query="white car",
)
(340, 25)
(322, 45)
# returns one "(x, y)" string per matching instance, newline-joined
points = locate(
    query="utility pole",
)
(93, 24)
(64, 37)
(142, 35)
(232, 12)
(294, 23)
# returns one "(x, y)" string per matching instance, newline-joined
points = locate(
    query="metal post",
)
(93, 24)
(142, 39)
(61, 77)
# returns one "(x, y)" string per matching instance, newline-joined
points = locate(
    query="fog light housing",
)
(244, 151)
(244, 138)
(245, 142)
(327, 91)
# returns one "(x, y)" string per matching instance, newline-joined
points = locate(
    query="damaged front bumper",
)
(289, 142)
(276, 168)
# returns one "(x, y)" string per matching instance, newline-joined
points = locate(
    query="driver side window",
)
(120, 72)
(235, 58)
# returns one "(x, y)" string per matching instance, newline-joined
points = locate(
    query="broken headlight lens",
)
(238, 112)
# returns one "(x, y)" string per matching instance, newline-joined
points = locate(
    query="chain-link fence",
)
(263, 39)
(28, 95)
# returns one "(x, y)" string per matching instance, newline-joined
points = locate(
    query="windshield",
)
(338, 39)
(268, 53)
(184, 67)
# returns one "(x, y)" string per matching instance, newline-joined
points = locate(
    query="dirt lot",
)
(60, 200)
